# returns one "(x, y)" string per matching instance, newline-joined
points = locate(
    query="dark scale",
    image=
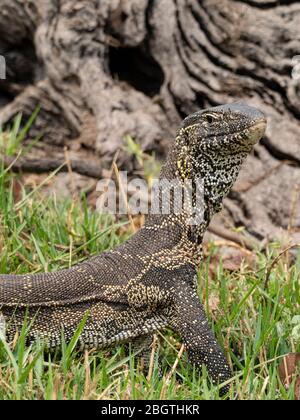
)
(147, 283)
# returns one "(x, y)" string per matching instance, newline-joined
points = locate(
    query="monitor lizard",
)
(149, 282)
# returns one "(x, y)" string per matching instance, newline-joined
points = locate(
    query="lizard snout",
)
(257, 130)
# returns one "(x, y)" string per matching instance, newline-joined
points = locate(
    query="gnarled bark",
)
(104, 69)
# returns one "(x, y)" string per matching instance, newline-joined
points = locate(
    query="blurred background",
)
(91, 75)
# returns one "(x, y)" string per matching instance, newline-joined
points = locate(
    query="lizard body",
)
(148, 282)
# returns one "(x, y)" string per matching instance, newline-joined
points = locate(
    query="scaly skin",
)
(147, 283)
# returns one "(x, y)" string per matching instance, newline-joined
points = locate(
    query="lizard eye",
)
(210, 118)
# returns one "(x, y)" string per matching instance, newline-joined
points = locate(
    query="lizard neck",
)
(175, 230)
(202, 188)
(179, 224)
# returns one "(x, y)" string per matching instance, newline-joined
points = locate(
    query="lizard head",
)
(213, 143)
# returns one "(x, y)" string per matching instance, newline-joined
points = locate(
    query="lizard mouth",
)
(256, 131)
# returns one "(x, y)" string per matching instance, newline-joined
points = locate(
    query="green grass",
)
(256, 325)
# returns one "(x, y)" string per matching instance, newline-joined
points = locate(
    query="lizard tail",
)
(48, 289)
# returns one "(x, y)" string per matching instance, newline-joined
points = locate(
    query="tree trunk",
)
(104, 69)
